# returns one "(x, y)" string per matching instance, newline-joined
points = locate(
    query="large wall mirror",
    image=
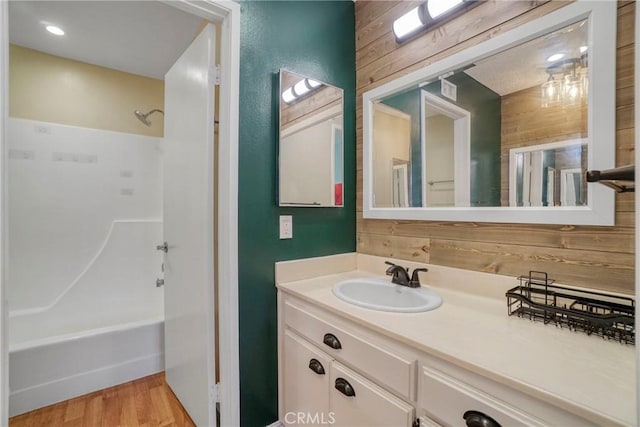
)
(503, 131)
(311, 142)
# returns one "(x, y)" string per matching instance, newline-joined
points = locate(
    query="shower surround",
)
(85, 215)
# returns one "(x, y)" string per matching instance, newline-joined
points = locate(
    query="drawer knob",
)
(332, 341)
(344, 387)
(478, 419)
(316, 366)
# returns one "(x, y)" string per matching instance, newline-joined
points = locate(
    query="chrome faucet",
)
(400, 275)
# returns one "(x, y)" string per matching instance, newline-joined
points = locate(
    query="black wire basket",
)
(594, 313)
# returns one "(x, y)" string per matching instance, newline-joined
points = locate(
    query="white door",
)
(188, 228)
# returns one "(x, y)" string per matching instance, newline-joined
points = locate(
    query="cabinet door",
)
(356, 401)
(305, 384)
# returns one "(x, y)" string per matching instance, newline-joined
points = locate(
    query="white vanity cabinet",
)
(453, 396)
(321, 391)
(321, 382)
(369, 379)
(455, 403)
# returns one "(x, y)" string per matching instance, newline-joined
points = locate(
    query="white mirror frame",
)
(602, 21)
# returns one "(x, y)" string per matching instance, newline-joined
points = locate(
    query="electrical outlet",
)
(286, 227)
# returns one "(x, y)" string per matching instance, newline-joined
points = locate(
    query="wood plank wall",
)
(596, 257)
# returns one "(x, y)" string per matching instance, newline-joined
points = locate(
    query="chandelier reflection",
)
(568, 82)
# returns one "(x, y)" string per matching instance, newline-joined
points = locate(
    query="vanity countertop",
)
(586, 375)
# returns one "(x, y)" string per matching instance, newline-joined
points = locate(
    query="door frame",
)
(564, 173)
(461, 146)
(637, 195)
(227, 15)
(403, 167)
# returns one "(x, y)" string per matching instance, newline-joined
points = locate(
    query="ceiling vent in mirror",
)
(428, 15)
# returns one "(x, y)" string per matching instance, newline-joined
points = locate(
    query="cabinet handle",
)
(332, 341)
(316, 366)
(478, 419)
(344, 387)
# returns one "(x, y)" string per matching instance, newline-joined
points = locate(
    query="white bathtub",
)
(106, 328)
(59, 368)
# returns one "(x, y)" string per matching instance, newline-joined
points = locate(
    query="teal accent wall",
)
(316, 39)
(486, 110)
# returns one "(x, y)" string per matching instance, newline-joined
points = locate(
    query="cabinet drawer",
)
(369, 406)
(394, 371)
(305, 382)
(447, 400)
(427, 422)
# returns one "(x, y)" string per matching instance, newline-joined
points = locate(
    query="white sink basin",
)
(382, 295)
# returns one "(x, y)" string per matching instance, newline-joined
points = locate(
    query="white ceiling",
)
(525, 66)
(139, 37)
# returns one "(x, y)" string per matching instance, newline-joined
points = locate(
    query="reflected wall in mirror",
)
(311, 142)
(548, 174)
(527, 96)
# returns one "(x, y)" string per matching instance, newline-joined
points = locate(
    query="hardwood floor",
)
(145, 402)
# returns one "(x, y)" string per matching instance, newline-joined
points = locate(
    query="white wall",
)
(391, 140)
(306, 172)
(66, 187)
(440, 164)
(54, 89)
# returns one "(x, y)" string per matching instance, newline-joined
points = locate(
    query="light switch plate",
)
(286, 226)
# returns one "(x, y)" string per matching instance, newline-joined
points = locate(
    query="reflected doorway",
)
(445, 135)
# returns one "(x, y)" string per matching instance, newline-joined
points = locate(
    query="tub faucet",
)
(399, 275)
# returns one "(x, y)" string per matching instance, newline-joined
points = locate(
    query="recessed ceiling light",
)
(583, 49)
(55, 30)
(555, 57)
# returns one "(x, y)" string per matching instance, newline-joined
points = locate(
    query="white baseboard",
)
(28, 399)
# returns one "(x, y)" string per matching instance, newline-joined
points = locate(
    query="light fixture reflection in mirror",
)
(528, 87)
(310, 142)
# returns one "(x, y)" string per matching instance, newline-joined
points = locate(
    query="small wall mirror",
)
(503, 131)
(311, 142)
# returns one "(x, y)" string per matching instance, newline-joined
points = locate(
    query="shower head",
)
(144, 117)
